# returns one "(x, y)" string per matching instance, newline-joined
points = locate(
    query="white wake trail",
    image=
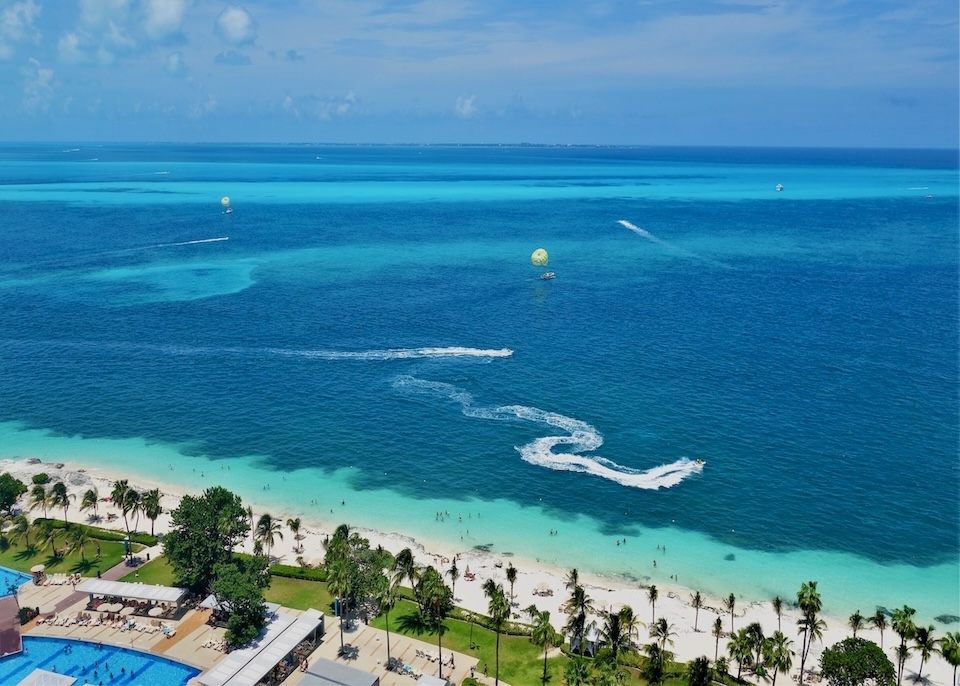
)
(197, 242)
(642, 232)
(394, 353)
(579, 437)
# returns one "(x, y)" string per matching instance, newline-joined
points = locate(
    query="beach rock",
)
(33, 460)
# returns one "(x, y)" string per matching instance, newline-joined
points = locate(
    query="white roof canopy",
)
(122, 589)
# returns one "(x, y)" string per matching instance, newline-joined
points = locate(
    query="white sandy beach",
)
(674, 603)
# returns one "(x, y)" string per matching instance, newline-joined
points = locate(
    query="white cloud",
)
(101, 33)
(69, 48)
(236, 26)
(38, 86)
(16, 25)
(316, 107)
(175, 65)
(464, 106)
(163, 17)
(202, 109)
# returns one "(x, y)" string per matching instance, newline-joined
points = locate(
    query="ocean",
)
(366, 330)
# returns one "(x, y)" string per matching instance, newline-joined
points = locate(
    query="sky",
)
(831, 73)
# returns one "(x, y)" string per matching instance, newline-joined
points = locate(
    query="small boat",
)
(779, 187)
(699, 463)
(229, 210)
(547, 275)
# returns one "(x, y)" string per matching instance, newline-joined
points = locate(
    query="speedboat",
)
(699, 463)
(548, 275)
(229, 210)
(779, 187)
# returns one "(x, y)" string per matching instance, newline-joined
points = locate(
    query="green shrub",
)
(25, 614)
(41, 478)
(102, 534)
(290, 572)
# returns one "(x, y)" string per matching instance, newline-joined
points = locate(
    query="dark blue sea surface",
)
(803, 343)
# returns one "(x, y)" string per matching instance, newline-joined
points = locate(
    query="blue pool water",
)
(11, 580)
(93, 665)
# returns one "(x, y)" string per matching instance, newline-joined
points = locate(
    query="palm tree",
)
(572, 580)
(857, 622)
(511, 578)
(20, 531)
(498, 609)
(950, 649)
(925, 644)
(740, 648)
(755, 634)
(339, 583)
(577, 607)
(652, 595)
(152, 509)
(663, 632)
(39, 498)
(577, 672)
(543, 634)
(697, 602)
(778, 608)
(879, 620)
(89, 500)
(405, 568)
(79, 540)
(630, 622)
(253, 529)
(699, 672)
(437, 603)
(902, 623)
(612, 635)
(653, 671)
(717, 634)
(809, 602)
(61, 497)
(730, 603)
(118, 497)
(777, 654)
(294, 525)
(454, 574)
(268, 530)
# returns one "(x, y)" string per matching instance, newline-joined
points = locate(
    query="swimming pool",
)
(90, 664)
(11, 580)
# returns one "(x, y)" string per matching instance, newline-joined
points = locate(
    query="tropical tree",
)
(543, 634)
(454, 574)
(11, 488)
(250, 521)
(498, 609)
(717, 634)
(511, 578)
(778, 608)
(404, 567)
(578, 607)
(90, 499)
(730, 603)
(339, 583)
(755, 634)
(856, 622)
(152, 508)
(61, 497)
(572, 580)
(577, 672)
(950, 649)
(268, 530)
(879, 621)
(777, 654)
(697, 601)
(118, 497)
(39, 498)
(810, 625)
(612, 635)
(902, 624)
(699, 672)
(854, 662)
(21, 530)
(437, 604)
(740, 648)
(663, 632)
(652, 595)
(78, 540)
(925, 644)
(653, 671)
(630, 622)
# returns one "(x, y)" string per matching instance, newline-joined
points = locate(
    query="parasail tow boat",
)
(547, 276)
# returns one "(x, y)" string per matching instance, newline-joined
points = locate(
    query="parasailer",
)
(225, 203)
(540, 258)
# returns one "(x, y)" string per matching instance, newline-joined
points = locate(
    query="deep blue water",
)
(803, 343)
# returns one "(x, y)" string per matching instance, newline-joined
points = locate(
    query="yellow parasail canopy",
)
(539, 257)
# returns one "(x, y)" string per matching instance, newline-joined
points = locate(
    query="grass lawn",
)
(299, 594)
(158, 572)
(22, 558)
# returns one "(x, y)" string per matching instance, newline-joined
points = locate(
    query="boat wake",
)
(579, 437)
(659, 241)
(197, 242)
(394, 353)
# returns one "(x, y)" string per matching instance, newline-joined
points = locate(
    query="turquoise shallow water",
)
(372, 331)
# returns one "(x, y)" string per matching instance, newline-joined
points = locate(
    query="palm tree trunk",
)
(439, 653)
(544, 663)
(497, 677)
(387, 613)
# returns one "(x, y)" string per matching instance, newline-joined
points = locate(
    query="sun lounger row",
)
(80, 619)
(216, 644)
(61, 579)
